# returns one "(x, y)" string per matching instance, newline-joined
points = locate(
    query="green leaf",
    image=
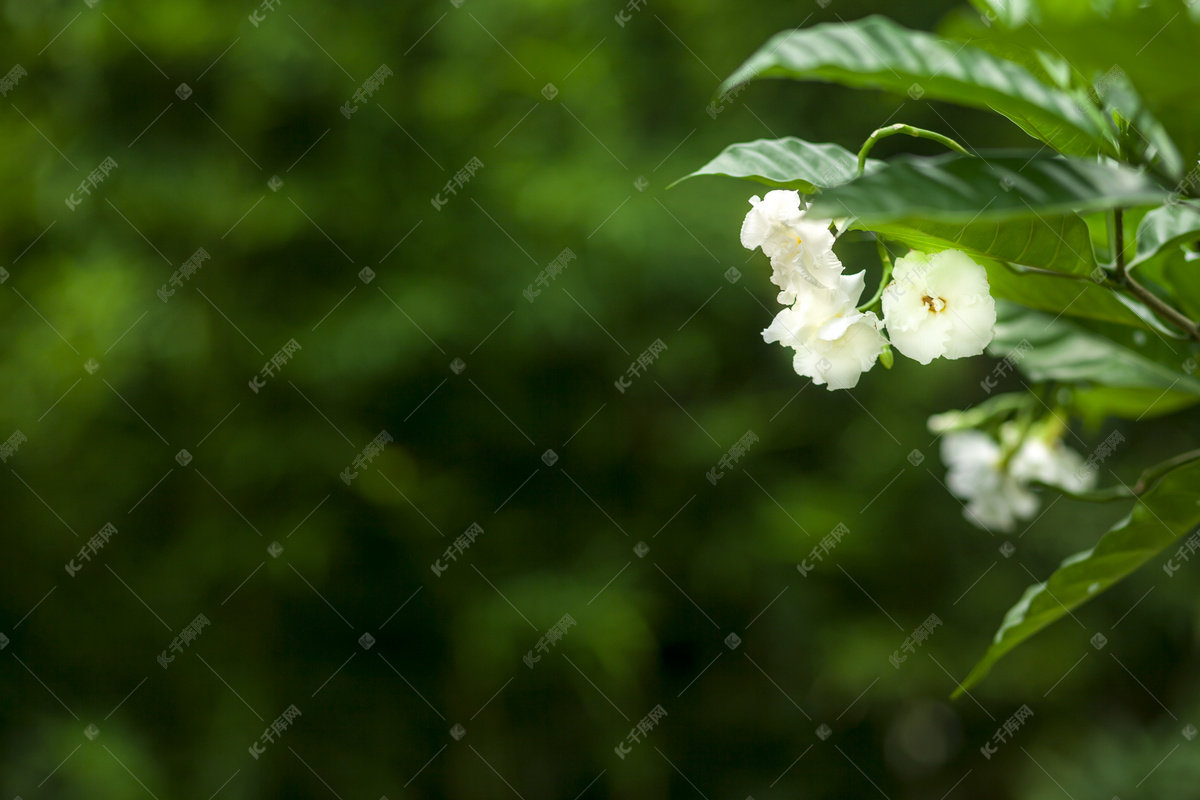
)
(1181, 275)
(1056, 243)
(955, 188)
(1059, 243)
(1127, 122)
(1160, 516)
(1091, 352)
(1165, 227)
(1145, 137)
(1097, 403)
(877, 53)
(995, 409)
(1049, 69)
(1009, 13)
(1094, 36)
(787, 163)
(1087, 300)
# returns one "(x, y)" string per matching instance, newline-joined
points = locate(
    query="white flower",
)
(1051, 463)
(997, 492)
(835, 343)
(800, 249)
(974, 472)
(939, 306)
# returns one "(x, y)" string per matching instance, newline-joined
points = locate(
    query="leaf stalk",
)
(908, 130)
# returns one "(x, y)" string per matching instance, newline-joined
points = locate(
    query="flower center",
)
(934, 304)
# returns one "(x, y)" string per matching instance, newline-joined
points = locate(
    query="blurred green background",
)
(580, 122)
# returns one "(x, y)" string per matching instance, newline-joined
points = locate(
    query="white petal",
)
(782, 203)
(847, 358)
(807, 364)
(1021, 500)
(973, 324)
(825, 267)
(953, 273)
(835, 328)
(787, 328)
(903, 309)
(939, 306)
(801, 252)
(990, 512)
(1053, 464)
(834, 342)
(910, 272)
(790, 273)
(923, 342)
(755, 230)
(998, 499)
(779, 208)
(816, 305)
(852, 286)
(972, 461)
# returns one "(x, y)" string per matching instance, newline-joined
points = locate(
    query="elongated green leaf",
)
(1086, 300)
(875, 52)
(1091, 352)
(1166, 227)
(1094, 37)
(787, 163)
(1145, 137)
(1009, 13)
(1047, 68)
(1059, 243)
(1029, 243)
(995, 409)
(955, 188)
(1140, 132)
(1097, 403)
(1180, 274)
(1160, 516)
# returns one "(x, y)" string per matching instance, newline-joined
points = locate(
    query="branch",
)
(1123, 278)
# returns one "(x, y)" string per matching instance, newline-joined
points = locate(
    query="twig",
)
(1123, 278)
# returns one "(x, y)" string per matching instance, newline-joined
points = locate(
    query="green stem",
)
(908, 130)
(1108, 495)
(1149, 478)
(1024, 421)
(999, 406)
(1151, 475)
(884, 276)
(1126, 281)
(1118, 243)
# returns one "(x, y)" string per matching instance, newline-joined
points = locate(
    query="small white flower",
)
(800, 249)
(835, 343)
(974, 472)
(997, 492)
(1052, 463)
(939, 306)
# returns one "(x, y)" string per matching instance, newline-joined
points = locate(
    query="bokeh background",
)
(580, 123)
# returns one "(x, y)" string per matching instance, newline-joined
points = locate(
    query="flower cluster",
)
(935, 306)
(994, 477)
